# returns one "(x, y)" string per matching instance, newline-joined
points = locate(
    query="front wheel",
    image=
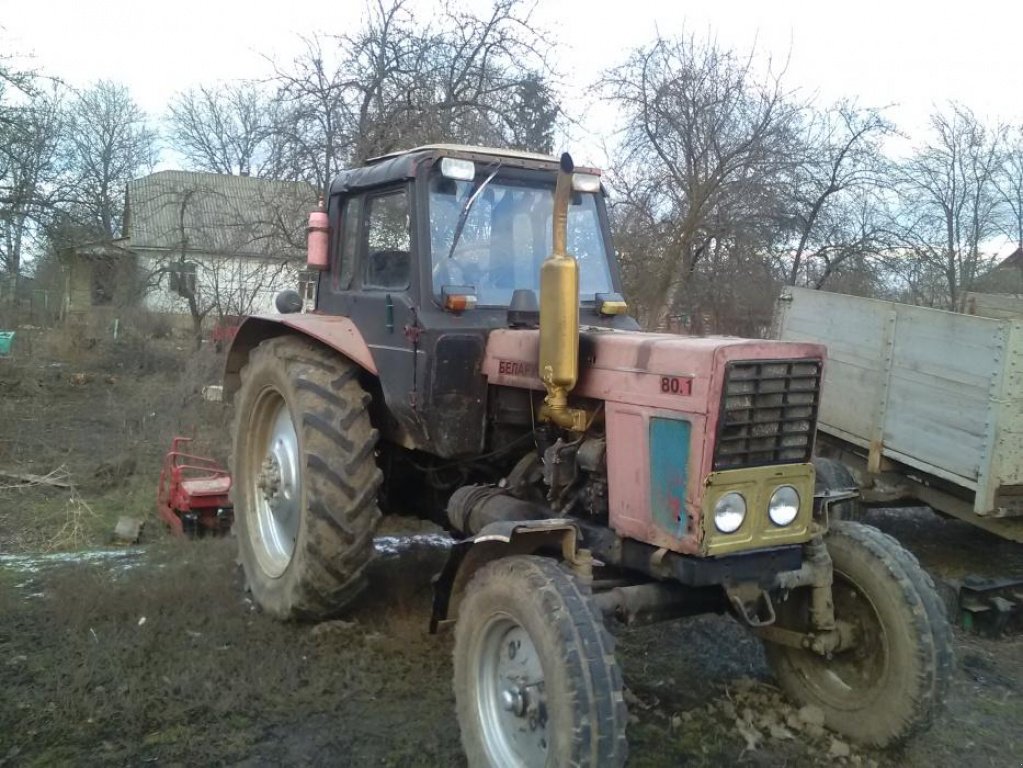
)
(536, 681)
(893, 681)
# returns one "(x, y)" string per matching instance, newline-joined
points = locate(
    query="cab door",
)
(373, 281)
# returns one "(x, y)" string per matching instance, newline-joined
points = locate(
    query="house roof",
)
(1014, 259)
(210, 212)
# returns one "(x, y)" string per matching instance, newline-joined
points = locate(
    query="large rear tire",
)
(536, 681)
(893, 682)
(305, 479)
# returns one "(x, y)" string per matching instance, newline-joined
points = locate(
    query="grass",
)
(205, 676)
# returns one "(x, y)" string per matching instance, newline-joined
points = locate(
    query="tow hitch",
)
(825, 636)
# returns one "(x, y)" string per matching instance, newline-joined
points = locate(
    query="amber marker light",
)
(458, 298)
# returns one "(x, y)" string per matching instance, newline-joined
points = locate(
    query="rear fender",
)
(558, 537)
(338, 333)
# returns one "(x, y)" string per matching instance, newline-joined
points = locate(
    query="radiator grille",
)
(768, 413)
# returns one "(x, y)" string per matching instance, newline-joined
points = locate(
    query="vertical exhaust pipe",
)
(559, 314)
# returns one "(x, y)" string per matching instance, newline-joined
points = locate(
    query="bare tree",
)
(836, 204)
(313, 95)
(1009, 182)
(399, 81)
(110, 144)
(225, 128)
(31, 164)
(949, 200)
(705, 143)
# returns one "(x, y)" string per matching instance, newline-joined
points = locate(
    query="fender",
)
(559, 536)
(338, 333)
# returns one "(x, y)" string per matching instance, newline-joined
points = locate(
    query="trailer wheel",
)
(892, 683)
(833, 475)
(305, 479)
(536, 681)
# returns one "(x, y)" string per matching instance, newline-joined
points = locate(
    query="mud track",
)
(158, 656)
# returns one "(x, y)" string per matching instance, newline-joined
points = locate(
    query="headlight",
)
(585, 182)
(784, 506)
(455, 168)
(729, 512)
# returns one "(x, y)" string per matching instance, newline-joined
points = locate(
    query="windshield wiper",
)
(463, 216)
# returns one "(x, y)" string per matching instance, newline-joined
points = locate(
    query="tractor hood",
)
(659, 370)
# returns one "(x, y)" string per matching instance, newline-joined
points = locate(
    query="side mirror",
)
(288, 302)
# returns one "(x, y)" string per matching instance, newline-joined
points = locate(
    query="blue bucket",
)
(6, 341)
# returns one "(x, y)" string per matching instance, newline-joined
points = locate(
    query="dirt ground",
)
(155, 655)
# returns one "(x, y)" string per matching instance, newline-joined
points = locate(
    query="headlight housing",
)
(784, 505)
(729, 512)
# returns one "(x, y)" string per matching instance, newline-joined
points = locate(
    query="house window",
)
(307, 280)
(181, 278)
(388, 244)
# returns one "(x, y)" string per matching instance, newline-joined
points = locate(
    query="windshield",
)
(506, 237)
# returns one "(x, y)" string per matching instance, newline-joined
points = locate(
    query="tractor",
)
(471, 359)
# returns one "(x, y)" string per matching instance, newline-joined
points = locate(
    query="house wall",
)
(78, 284)
(1007, 279)
(239, 285)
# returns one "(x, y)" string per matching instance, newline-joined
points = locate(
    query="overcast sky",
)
(908, 54)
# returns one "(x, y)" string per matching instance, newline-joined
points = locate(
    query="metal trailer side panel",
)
(924, 386)
(945, 377)
(855, 334)
(1008, 449)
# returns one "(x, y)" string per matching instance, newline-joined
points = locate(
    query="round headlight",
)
(784, 506)
(729, 512)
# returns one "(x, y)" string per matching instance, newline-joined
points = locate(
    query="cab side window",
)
(348, 239)
(388, 242)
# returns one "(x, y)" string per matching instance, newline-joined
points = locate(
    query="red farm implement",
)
(193, 496)
(224, 331)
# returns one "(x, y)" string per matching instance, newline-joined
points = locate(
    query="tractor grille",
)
(768, 413)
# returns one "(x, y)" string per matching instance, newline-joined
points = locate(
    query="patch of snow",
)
(389, 546)
(36, 562)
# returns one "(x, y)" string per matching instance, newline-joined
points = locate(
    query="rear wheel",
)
(892, 683)
(536, 681)
(305, 479)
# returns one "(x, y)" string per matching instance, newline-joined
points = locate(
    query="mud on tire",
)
(331, 513)
(893, 683)
(582, 711)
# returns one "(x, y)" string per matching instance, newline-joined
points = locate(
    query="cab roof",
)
(404, 164)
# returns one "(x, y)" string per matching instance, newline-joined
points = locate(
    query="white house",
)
(197, 246)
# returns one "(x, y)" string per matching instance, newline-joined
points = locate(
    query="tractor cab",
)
(429, 250)
(458, 228)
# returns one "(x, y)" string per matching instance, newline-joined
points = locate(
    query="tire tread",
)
(339, 474)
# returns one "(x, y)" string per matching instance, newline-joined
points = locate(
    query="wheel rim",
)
(275, 483)
(512, 699)
(851, 679)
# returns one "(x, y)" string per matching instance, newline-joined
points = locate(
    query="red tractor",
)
(193, 494)
(460, 364)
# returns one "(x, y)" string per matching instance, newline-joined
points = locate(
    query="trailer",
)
(923, 405)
